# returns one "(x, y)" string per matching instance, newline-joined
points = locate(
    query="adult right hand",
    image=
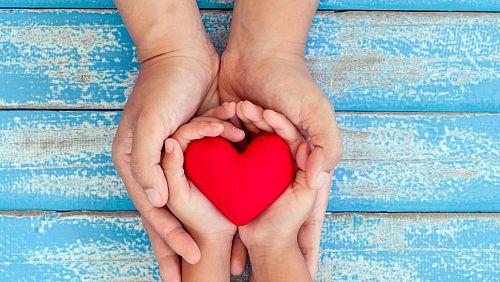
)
(177, 78)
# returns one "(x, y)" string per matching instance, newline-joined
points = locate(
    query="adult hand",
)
(177, 78)
(264, 63)
(282, 83)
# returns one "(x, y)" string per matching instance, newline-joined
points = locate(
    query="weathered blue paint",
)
(53, 160)
(408, 5)
(364, 247)
(411, 247)
(58, 247)
(377, 61)
(59, 161)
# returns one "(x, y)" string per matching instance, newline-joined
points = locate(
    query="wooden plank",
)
(364, 61)
(60, 160)
(354, 247)
(415, 162)
(410, 247)
(409, 5)
(57, 247)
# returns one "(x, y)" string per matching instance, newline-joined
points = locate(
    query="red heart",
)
(240, 185)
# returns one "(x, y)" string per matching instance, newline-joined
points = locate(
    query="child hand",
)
(271, 238)
(279, 224)
(199, 216)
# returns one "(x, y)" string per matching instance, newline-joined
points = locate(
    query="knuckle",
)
(173, 232)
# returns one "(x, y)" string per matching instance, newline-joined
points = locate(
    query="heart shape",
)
(240, 185)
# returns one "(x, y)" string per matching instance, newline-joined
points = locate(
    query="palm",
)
(285, 85)
(206, 212)
(167, 93)
(286, 211)
(281, 85)
(173, 90)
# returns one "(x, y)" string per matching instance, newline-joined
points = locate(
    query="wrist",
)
(272, 250)
(221, 247)
(169, 26)
(212, 240)
(214, 262)
(261, 244)
(258, 27)
(255, 53)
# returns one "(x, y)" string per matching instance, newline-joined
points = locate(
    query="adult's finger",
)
(174, 172)
(310, 232)
(168, 260)
(160, 219)
(321, 125)
(174, 235)
(163, 222)
(239, 255)
(147, 145)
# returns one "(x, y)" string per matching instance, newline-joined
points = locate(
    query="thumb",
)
(326, 146)
(303, 191)
(172, 164)
(145, 159)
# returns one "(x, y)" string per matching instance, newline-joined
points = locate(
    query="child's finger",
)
(284, 128)
(300, 185)
(239, 256)
(249, 126)
(224, 112)
(253, 114)
(231, 132)
(197, 130)
(172, 165)
(172, 232)
(301, 156)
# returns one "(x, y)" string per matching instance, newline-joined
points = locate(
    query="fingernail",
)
(322, 179)
(154, 197)
(238, 131)
(216, 125)
(168, 147)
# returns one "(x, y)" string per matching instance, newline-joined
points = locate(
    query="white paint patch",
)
(55, 155)
(407, 54)
(357, 268)
(57, 142)
(68, 56)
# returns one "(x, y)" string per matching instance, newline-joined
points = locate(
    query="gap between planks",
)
(62, 214)
(392, 113)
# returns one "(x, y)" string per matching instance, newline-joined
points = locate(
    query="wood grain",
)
(410, 5)
(60, 160)
(364, 61)
(354, 247)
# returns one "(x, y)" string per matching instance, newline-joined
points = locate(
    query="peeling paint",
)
(406, 61)
(380, 61)
(354, 247)
(411, 162)
(410, 247)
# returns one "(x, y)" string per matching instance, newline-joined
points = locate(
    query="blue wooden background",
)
(417, 91)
